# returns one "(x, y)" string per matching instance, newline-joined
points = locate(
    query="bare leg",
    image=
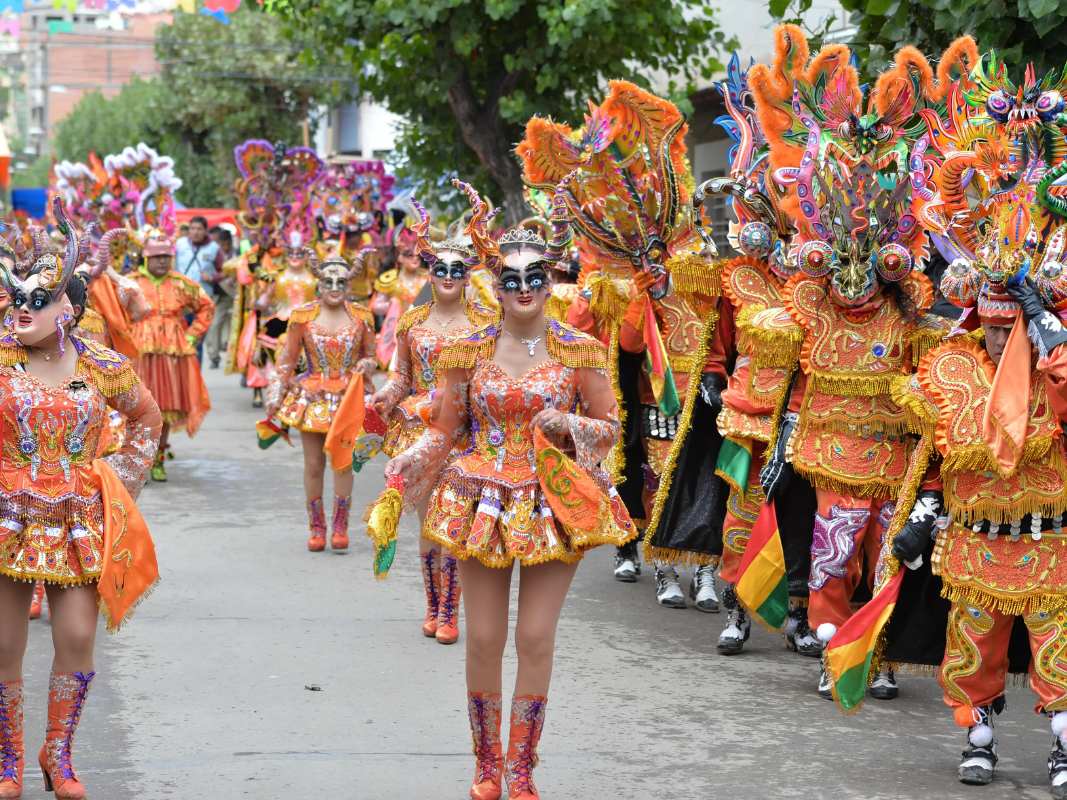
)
(314, 464)
(542, 591)
(74, 618)
(486, 595)
(14, 626)
(164, 437)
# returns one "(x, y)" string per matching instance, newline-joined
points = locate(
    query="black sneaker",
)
(626, 568)
(884, 686)
(802, 639)
(826, 687)
(668, 589)
(978, 762)
(1057, 771)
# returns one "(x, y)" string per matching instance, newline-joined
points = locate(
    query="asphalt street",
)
(259, 670)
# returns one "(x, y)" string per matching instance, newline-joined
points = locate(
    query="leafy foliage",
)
(223, 84)
(467, 74)
(1020, 31)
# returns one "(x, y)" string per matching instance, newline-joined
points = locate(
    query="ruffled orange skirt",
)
(178, 387)
(497, 524)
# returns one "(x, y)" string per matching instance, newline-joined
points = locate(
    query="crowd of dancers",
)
(850, 429)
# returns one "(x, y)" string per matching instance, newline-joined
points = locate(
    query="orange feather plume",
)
(911, 65)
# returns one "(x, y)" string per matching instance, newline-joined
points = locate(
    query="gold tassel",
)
(852, 384)
(302, 315)
(615, 463)
(582, 351)
(607, 302)
(692, 397)
(692, 273)
(416, 315)
(11, 353)
(467, 351)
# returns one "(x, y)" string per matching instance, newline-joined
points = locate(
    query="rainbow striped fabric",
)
(659, 366)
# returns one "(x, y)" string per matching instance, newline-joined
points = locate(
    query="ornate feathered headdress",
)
(624, 175)
(54, 270)
(274, 190)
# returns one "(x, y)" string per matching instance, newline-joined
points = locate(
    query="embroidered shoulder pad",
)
(412, 317)
(575, 349)
(112, 373)
(303, 314)
(770, 336)
(465, 352)
(361, 312)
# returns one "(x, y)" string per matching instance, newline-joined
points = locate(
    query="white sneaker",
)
(826, 687)
(735, 634)
(626, 569)
(1057, 771)
(668, 589)
(884, 685)
(702, 590)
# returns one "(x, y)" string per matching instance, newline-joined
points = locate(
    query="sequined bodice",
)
(425, 344)
(47, 432)
(502, 409)
(332, 354)
(292, 289)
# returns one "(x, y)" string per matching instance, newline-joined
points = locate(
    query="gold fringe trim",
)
(110, 625)
(607, 301)
(680, 558)
(464, 353)
(92, 322)
(873, 489)
(416, 315)
(1009, 605)
(302, 315)
(920, 414)
(924, 339)
(12, 354)
(110, 372)
(856, 384)
(998, 512)
(692, 397)
(360, 312)
(584, 352)
(977, 458)
(769, 347)
(616, 461)
(692, 273)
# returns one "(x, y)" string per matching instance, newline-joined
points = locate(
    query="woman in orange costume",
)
(337, 339)
(394, 292)
(61, 508)
(421, 334)
(525, 386)
(167, 362)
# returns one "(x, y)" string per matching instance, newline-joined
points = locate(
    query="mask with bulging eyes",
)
(35, 300)
(456, 270)
(530, 278)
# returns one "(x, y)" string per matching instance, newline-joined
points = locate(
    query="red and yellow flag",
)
(659, 366)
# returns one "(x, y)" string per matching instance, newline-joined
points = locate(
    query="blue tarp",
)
(32, 201)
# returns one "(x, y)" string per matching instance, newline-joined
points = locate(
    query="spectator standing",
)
(225, 289)
(199, 259)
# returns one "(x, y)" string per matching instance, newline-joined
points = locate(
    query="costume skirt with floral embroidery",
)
(311, 402)
(406, 424)
(475, 517)
(56, 541)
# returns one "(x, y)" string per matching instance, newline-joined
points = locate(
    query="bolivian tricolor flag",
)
(734, 463)
(761, 582)
(659, 366)
(849, 653)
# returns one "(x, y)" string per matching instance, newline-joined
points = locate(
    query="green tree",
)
(1021, 31)
(228, 83)
(106, 125)
(467, 74)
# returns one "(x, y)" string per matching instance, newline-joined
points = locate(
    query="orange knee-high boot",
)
(11, 752)
(527, 720)
(483, 708)
(66, 698)
(317, 526)
(448, 602)
(37, 600)
(431, 576)
(339, 535)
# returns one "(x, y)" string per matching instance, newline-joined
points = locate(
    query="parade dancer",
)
(854, 314)
(630, 203)
(62, 509)
(167, 345)
(405, 400)
(336, 339)
(395, 290)
(525, 386)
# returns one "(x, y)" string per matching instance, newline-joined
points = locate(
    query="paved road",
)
(204, 695)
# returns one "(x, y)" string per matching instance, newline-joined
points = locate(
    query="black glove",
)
(777, 472)
(1044, 328)
(711, 386)
(913, 539)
